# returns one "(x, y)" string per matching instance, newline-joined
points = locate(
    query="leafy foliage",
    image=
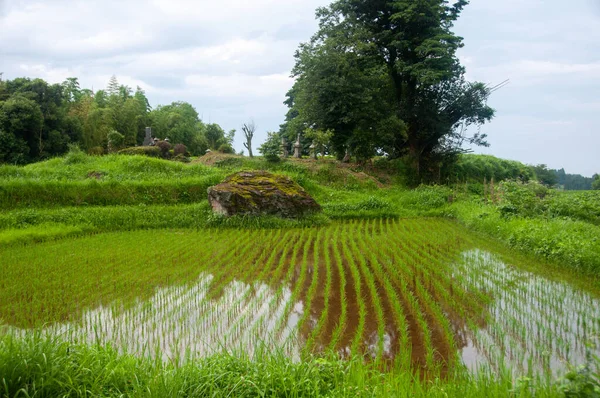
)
(384, 76)
(271, 147)
(479, 168)
(39, 120)
(152, 151)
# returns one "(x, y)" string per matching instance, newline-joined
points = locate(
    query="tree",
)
(596, 183)
(320, 139)
(72, 91)
(248, 129)
(179, 122)
(217, 139)
(13, 150)
(411, 42)
(113, 87)
(271, 147)
(545, 176)
(22, 119)
(339, 87)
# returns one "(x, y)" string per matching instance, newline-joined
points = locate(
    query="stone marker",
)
(260, 193)
(297, 147)
(148, 138)
(283, 148)
(313, 151)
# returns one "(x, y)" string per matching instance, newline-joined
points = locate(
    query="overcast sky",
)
(231, 59)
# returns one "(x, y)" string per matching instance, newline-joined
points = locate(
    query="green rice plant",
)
(374, 296)
(358, 284)
(310, 292)
(402, 357)
(299, 282)
(341, 322)
(321, 298)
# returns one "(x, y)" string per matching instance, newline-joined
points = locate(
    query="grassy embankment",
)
(79, 194)
(82, 195)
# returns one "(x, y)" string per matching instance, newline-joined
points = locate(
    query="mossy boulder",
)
(260, 193)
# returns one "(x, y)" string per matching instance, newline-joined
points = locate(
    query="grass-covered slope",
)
(80, 193)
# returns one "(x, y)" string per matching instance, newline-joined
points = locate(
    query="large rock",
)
(259, 193)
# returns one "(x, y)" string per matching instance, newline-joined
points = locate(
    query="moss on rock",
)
(260, 193)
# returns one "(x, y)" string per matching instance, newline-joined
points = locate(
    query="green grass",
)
(43, 367)
(135, 237)
(566, 242)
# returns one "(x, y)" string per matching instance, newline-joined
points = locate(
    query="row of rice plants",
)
(398, 292)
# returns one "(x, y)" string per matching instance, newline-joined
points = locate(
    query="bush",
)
(180, 149)
(96, 151)
(226, 148)
(181, 158)
(115, 141)
(150, 151)
(164, 148)
(75, 155)
(524, 199)
(270, 148)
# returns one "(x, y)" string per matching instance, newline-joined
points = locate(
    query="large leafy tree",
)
(596, 183)
(407, 51)
(341, 88)
(21, 120)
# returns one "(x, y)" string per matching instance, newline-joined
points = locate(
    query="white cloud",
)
(231, 59)
(245, 86)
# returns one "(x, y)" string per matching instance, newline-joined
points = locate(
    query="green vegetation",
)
(369, 76)
(39, 120)
(119, 280)
(118, 192)
(55, 368)
(426, 284)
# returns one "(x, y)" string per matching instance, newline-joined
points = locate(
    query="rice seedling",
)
(408, 294)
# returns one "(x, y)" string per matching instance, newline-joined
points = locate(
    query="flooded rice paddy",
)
(420, 294)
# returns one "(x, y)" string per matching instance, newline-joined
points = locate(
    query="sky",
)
(231, 59)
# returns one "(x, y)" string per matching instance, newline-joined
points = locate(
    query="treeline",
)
(472, 168)
(39, 120)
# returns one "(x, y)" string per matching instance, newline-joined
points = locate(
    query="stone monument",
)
(148, 138)
(297, 147)
(283, 148)
(313, 151)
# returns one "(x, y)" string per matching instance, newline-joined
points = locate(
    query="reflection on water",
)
(535, 325)
(491, 313)
(179, 322)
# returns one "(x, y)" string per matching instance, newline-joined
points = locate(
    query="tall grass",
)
(38, 366)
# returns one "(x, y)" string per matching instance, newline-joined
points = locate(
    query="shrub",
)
(150, 151)
(181, 158)
(226, 148)
(96, 151)
(75, 155)
(270, 148)
(164, 148)
(180, 149)
(115, 141)
(523, 199)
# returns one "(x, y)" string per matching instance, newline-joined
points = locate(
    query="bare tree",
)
(249, 129)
